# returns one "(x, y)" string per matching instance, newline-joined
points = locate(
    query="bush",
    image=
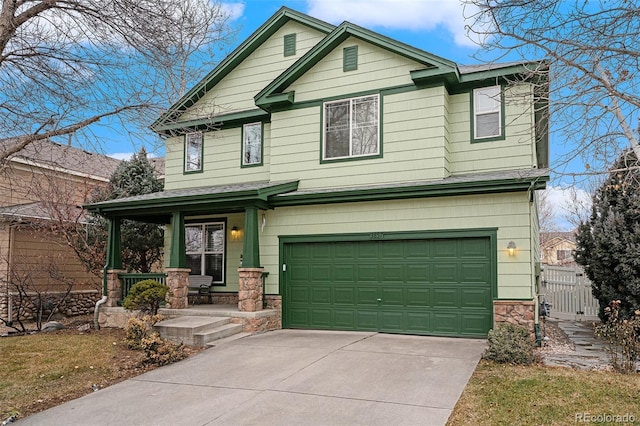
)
(146, 296)
(622, 336)
(139, 328)
(511, 344)
(160, 351)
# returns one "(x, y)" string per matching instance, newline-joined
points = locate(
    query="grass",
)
(42, 370)
(499, 394)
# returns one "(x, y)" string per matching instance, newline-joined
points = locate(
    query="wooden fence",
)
(568, 292)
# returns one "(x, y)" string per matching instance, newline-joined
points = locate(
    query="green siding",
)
(377, 68)
(235, 92)
(510, 213)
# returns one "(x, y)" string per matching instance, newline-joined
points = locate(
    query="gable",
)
(314, 30)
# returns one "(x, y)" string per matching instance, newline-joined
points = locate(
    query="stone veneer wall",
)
(81, 302)
(515, 312)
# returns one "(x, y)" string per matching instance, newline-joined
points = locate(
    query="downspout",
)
(96, 324)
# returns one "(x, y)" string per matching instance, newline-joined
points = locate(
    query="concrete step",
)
(228, 339)
(185, 329)
(203, 338)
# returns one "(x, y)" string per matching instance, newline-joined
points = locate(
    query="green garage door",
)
(428, 286)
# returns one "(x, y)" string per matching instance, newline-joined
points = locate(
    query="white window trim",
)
(203, 252)
(244, 143)
(324, 128)
(189, 138)
(476, 114)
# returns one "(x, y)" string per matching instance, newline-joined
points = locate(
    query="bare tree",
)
(66, 65)
(546, 213)
(593, 50)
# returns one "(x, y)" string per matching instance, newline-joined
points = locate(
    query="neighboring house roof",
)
(548, 239)
(64, 158)
(37, 210)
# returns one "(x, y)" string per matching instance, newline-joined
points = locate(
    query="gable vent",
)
(290, 44)
(350, 58)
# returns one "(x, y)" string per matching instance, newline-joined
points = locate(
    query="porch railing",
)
(128, 280)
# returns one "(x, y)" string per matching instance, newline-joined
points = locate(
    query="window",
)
(351, 128)
(252, 144)
(350, 58)
(564, 254)
(193, 152)
(290, 44)
(487, 113)
(206, 249)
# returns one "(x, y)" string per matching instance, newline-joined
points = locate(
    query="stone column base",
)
(250, 289)
(519, 312)
(114, 287)
(178, 283)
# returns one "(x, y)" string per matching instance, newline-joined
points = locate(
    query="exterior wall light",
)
(235, 232)
(511, 248)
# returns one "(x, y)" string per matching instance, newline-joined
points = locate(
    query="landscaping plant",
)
(511, 344)
(145, 296)
(622, 336)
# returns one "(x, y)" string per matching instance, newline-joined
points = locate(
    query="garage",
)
(379, 282)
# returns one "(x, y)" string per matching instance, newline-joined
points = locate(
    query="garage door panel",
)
(344, 295)
(475, 298)
(445, 273)
(393, 296)
(418, 296)
(391, 321)
(422, 286)
(391, 273)
(366, 319)
(444, 297)
(366, 273)
(321, 295)
(367, 295)
(344, 273)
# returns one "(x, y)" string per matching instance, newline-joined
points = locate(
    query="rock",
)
(84, 327)
(52, 326)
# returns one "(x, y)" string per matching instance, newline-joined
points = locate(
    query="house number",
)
(376, 235)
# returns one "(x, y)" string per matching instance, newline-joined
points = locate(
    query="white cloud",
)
(568, 204)
(121, 155)
(415, 15)
(235, 10)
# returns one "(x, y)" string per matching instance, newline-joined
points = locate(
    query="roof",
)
(37, 210)
(267, 195)
(550, 238)
(65, 158)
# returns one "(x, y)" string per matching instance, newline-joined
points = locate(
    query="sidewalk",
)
(583, 350)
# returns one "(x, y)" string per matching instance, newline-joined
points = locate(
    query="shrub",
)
(146, 296)
(160, 351)
(511, 344)
(622, 336)
(138, 329)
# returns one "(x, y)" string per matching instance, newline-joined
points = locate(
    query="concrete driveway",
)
(290, 377)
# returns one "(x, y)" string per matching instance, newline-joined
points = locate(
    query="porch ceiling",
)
(158, 206)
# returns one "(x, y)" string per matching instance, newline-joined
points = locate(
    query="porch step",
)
(196, 330)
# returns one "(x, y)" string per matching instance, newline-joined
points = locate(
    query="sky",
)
(436, 26)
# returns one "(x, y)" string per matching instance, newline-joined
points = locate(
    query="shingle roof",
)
(65, 157)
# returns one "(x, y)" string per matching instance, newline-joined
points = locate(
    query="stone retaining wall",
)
(81, 302)
(515, 312)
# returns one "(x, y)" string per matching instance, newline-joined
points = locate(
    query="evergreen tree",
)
(142, 243)
(608, 244)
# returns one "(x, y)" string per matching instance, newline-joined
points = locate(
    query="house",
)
(42, 187)
(558, 248)
(371, 185)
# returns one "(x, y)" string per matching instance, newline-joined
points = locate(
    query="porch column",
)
(250, 273)
(113, 288)
(177, 272)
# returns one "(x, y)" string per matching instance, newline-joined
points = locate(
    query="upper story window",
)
(193, 152)
(252, 144)
(290, 44)
(564, 254)
(351, 128)
(487, 113)
(206, 244)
